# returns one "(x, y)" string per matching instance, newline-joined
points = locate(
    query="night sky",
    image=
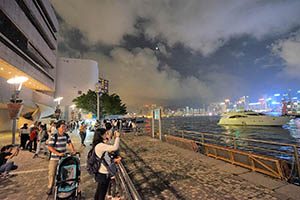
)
(208, 50)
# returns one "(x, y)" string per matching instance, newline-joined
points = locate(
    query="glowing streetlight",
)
(57, 111)
(58, 99)
(15, 102)
(73, 106)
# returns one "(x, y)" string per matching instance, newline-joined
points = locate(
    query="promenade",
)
(163, 171)
(159, 171)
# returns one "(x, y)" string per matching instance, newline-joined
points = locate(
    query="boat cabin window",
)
(237, 116)
(255, 114)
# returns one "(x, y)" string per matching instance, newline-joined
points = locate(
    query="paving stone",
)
(260, 179)
(158, 170)
(291, 191)
(232, 169)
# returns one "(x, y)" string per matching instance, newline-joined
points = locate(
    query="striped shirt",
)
(60, 146)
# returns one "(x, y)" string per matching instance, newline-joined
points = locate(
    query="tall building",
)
(28, 44)
(104, 85)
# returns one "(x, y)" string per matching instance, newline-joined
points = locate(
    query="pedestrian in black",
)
(24, 135)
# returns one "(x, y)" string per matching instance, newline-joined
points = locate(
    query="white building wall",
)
(73, 75)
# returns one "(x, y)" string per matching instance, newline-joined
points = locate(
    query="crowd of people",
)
(53, 138)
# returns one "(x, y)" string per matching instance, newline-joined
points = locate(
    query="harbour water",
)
(289, 133)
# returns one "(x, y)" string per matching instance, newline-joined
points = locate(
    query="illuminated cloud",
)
(200, 25)
(289, 51)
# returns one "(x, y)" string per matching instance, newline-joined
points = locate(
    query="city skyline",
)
(177, 53)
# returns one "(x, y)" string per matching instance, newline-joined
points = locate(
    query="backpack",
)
(46, 136)
(94, 163)
(112, 167)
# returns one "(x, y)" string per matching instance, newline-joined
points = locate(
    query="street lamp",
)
(57, 111)
(15, 106)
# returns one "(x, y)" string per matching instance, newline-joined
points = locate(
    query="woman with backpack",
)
(42, 137)
(101, 149)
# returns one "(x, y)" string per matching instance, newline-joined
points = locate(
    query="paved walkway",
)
(163, 171)
(31, 179)
(159, 171)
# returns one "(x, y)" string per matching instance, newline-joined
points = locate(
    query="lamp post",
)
(57, 111)
(98, 92)
(15, 106)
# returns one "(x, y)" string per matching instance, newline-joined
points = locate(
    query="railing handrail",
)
(127, 184)
(245, 139)
(234, 140)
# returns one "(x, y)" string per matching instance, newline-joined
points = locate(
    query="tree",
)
(109, 104)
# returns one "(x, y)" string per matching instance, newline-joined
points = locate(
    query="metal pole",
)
(297, 159)
(14, 131)
(234, 143)
(14, 120)
(159, 125)
(98, 106)
(153, 123)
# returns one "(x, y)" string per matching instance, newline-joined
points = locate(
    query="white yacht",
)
(251, 118)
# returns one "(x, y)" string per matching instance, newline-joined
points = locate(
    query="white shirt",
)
(101, 148)
(53, 130)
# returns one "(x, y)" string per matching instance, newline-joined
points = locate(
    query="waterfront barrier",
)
(127, 189)
(279, 160)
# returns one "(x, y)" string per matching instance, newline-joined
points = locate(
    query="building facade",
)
(28, 46)
(73, 78)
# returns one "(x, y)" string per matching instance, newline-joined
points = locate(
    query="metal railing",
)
(128, 190)
(284, 151)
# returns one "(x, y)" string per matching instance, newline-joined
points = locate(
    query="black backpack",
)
(93, 162)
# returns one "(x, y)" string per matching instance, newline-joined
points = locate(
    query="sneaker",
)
(35, 156)
(49, 192)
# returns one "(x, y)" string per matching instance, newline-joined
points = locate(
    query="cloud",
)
(200, 25)
(136, 77)
(289, 51)
(101, 21)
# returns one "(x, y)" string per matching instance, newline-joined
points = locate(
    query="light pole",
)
(15, 106)
(98, 92)
(57, 111)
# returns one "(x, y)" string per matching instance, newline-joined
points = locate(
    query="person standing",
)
(53, 129)
(24, 135)
(57, 147)
(82, 133)
(42, 138)
(102, 177)
(33, 137)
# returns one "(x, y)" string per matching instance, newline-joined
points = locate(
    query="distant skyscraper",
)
(104, 85)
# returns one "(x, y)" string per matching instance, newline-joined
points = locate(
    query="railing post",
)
(234, 143)
(182, 132)
(297, 159)
(202, 138)
(169, 131)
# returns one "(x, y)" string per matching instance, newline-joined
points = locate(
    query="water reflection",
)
(289, 133)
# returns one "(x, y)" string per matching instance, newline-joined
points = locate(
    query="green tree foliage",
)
(109, 104)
